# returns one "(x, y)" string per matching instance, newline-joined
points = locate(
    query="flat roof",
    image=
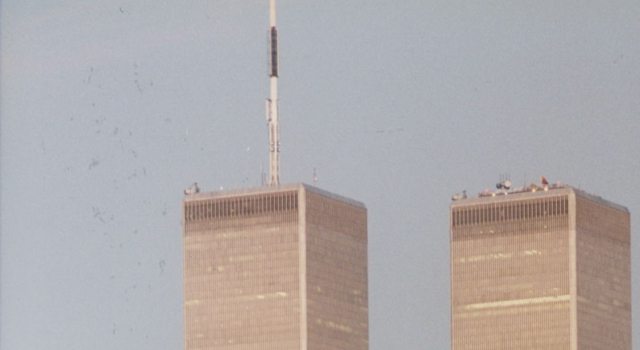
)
(270, 189)
(528, 193)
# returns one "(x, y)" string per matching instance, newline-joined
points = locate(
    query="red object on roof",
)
(543, 180)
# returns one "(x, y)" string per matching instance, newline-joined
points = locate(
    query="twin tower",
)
(275, 268)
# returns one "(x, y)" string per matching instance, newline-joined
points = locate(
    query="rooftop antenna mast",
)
(315, 177)
(272, 102)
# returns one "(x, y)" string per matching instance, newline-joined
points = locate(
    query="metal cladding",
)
(540, 270)
(282, 268)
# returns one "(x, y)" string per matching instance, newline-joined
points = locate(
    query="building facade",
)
(545, 269)
(275, 268)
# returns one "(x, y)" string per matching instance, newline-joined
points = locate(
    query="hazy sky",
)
(109, 109)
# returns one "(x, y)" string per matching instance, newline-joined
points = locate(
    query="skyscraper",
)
(545, 269)
(282, 267)
(275, 268)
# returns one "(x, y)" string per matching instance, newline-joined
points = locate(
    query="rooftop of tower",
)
(531, 191)
(270, 189)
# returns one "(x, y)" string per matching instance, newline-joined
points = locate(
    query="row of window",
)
(516, 210)
(241, 206)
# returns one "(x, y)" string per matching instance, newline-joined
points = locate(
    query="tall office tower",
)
(545, 269)
(275, 268)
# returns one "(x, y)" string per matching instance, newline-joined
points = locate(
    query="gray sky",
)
(109, 109)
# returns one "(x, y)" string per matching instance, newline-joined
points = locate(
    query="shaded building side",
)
(603, 263)
(337, 293)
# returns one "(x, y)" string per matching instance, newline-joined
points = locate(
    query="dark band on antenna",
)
(274, 52)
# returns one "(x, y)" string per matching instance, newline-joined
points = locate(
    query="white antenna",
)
(272, 102)
(315, 178)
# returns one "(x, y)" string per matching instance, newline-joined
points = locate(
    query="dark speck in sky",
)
(94, 163)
